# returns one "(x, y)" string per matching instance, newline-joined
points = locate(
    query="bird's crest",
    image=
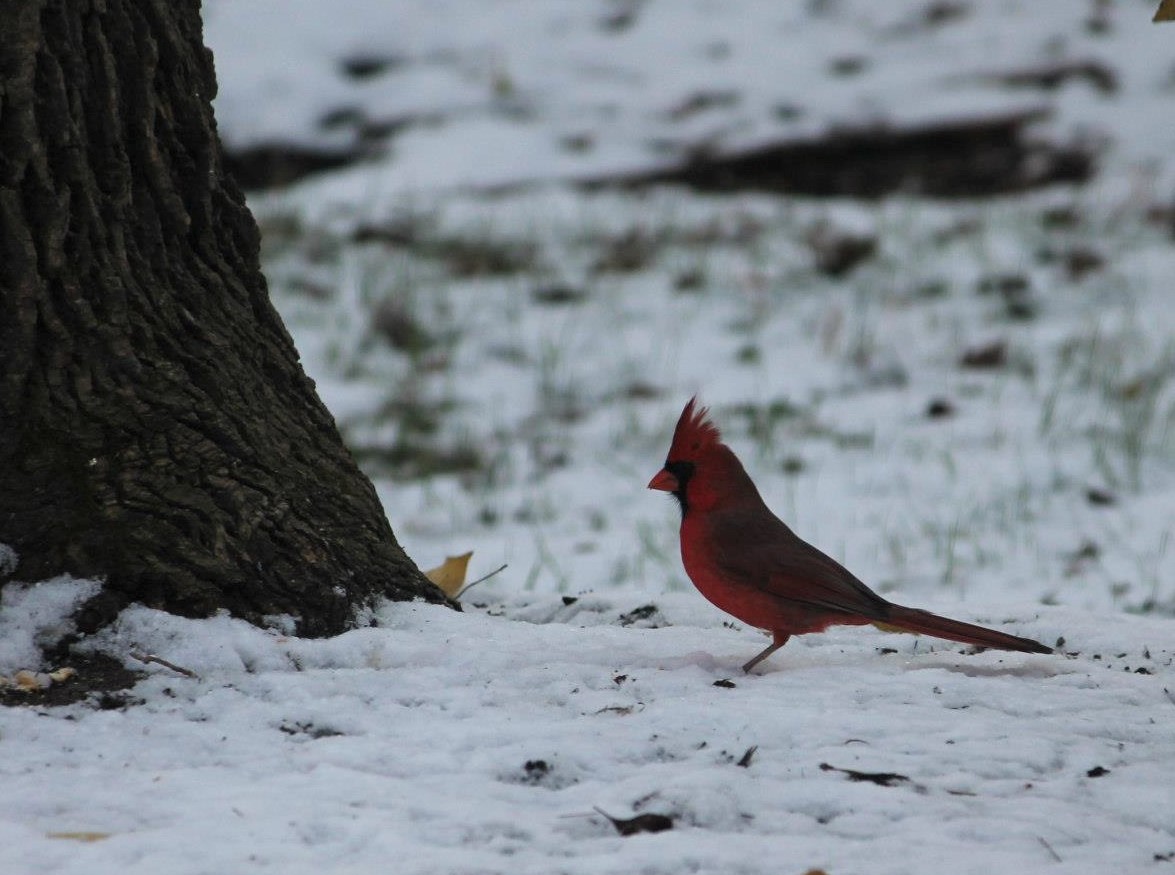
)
(694, 433)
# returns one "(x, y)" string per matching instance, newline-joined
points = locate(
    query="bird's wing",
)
(761, 551)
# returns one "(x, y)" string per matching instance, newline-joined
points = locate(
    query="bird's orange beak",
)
(664, 481)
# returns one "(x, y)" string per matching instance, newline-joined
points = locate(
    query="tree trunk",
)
(156, 428)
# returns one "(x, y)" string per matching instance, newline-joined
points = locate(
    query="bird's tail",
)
(926, 623)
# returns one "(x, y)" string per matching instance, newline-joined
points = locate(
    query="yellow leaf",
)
(450, 574)
(80, 836)
(30, 681)
(33, 681)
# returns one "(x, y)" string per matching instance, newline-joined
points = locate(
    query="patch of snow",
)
(37, 615)
(462, 743)
(9, 559)
(491, 93)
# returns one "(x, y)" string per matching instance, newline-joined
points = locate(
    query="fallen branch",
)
(151, 657)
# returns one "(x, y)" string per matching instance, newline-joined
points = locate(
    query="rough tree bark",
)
(156, 427)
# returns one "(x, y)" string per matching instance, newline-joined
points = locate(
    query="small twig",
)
(1170, 695)
(1049, 848)
(481, 579)
(158, 660)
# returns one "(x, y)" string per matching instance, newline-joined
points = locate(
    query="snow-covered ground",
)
(976, 419)
(468, 743)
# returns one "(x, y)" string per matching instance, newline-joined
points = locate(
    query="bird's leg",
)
(778, 640)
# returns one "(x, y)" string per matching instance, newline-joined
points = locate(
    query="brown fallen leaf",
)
(640, 823)
(882, 779)
(450, 574)
(986, 356)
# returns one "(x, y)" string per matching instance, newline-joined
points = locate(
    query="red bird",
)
(745, 560)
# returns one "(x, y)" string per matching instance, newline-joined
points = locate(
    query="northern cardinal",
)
(745, 560)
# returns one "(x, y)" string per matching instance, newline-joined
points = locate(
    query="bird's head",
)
(700, 471)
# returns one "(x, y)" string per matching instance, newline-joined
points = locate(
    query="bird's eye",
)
(682, 471)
